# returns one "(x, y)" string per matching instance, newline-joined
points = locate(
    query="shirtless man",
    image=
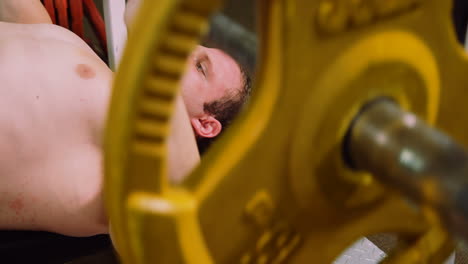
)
(54, 96)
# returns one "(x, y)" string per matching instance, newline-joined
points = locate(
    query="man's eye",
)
(200, 68)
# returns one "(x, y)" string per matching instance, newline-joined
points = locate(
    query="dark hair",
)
(239, 44)
(226, 109)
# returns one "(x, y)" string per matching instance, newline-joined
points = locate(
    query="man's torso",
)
(53, 97)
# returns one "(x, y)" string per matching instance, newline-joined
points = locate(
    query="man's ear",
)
(207, 127)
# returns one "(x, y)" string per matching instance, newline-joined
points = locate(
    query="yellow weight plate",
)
(275, 188)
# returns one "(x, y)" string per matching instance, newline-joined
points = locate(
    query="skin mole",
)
(16, 205)
(85, 71)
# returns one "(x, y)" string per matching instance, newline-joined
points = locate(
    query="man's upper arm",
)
(24, 12)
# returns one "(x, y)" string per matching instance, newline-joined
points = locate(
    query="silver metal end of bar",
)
(422, 163)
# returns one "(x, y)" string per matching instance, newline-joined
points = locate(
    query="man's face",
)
(210, 75)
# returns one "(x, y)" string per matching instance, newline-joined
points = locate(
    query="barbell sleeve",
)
(404, 153)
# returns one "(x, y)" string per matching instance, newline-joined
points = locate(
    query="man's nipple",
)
(85, 71)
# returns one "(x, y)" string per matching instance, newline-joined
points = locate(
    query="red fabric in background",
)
(62, 12)
(96, 20)
(77, 16)
(50, 7)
